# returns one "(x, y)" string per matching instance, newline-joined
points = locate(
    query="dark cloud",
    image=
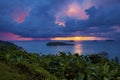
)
(106, 2)
(40, 21)
(102, 19)
(105, 16)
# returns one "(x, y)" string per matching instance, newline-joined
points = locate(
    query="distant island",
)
(110, 40)
(58, 44)
(71, 41)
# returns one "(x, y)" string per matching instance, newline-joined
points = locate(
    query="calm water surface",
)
(84, 47)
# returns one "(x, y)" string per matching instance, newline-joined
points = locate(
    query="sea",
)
(80, 47)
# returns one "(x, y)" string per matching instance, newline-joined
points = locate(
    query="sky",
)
(59, 19)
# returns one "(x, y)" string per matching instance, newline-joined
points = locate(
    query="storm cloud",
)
(57, 18)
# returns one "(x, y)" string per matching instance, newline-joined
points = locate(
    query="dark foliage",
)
(17, 64)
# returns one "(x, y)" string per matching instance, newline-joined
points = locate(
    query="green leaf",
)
(80, 76)
(106, 78)
(118, 78)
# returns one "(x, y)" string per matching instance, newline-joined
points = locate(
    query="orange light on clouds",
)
(19, 14)
(60, 23)
(78, 38)
(11, 36)
(75, 10)
(20, 17)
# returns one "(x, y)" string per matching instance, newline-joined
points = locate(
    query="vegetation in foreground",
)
(17, 64)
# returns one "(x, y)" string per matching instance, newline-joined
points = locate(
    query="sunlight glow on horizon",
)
(78, 38)
(11, 36)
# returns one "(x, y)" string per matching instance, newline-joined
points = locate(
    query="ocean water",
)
(82, 47)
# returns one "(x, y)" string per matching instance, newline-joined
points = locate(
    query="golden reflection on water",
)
(78, 48)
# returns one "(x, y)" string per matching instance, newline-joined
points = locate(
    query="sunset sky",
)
(59, 19)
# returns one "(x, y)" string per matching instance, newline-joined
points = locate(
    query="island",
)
(110, 40)
(71, 41)
(58, 44)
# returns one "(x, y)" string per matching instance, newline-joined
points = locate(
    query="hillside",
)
(17, 64)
